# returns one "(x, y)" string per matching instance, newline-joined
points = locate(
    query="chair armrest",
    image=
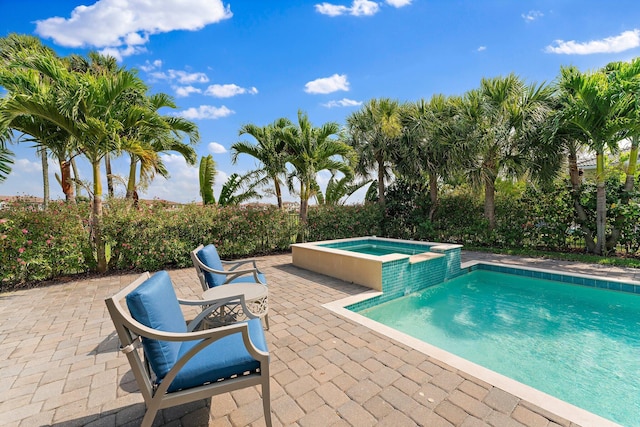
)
(237, 264)
(212, 305)
(232, 274)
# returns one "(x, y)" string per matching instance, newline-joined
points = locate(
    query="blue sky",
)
(236, 62)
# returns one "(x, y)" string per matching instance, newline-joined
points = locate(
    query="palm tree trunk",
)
(131, 184)
(98, 238)
(45, 177)
(107, 166)
(633, 161)
(304, 204)
(276, 184)
(65, 181)
(581, 214)
(76, 177)
(381, 199)
(601, 206)
(490, 202)
(433, 195)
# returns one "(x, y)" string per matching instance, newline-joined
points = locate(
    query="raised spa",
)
(395, 267)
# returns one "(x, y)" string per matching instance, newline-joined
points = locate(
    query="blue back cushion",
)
(154, 304)
(209, 257)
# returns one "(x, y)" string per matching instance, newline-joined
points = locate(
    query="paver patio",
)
(61, 366)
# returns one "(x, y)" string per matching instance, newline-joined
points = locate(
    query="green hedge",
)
(326, 222)
(40, 245)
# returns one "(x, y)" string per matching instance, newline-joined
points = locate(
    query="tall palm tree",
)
(46, 135)
(313, 149)
(87, 108)
(432, 146)
(595, 110)
(269, 151)
(506, 117)
(374, 132)
(149, 133)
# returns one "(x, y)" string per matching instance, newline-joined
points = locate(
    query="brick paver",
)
(61, 366)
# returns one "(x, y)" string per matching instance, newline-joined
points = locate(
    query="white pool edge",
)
(543, 400)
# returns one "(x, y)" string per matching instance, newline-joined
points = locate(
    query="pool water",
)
(579, 344)
(379, 250)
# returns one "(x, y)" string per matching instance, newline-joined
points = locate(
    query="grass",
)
(619, 261)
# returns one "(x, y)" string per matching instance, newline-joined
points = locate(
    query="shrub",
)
(327, 222)
(41, 245)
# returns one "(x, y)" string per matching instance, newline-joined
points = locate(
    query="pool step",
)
(426, 256)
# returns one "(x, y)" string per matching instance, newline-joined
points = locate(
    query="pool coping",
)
(543, 400)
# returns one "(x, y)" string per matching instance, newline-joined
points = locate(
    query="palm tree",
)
(238, 189)
(46, 135)
(149, 133)
(433, 146)
(311, 150)
(269, 151)
(595, 110)
(207, 177)
(374, 133)
(6, 156)
(339, 190)
(505, 117)
(87, 108)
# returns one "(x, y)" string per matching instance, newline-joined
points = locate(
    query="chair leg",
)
(266, 401)
(149, 416)
(266, 320)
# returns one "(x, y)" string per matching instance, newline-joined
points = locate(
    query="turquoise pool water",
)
(379, 250)
(577, 343)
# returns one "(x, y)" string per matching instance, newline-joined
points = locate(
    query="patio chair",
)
(181, 365)
(211, 269)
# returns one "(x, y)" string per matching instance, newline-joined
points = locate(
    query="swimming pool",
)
(392, 266)
(560, 338)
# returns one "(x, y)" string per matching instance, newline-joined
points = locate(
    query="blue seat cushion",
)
(154, 304)
(221, 359)
(209, 257)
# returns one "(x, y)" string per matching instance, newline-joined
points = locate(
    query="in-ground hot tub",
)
(389, 265)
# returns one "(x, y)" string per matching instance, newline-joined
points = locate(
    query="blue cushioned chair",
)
(181, 365)
(211, 269)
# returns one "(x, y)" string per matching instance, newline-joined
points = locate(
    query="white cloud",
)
(358, 8)
(328, 84)
(625, 41)
(150, 66)
(532, 15)
(481, 48)
(182, 91)
(228, 90)
(216, 148)
(205, 112)
(120, 53)
(121, 25)
(180, 76)
(398, 3)
(26, 166)
(331, 9)
(344, 102)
